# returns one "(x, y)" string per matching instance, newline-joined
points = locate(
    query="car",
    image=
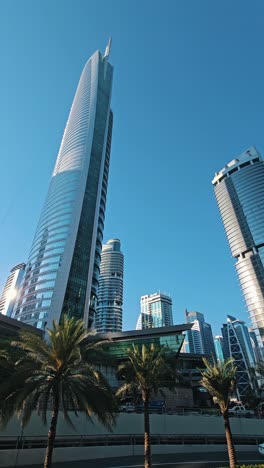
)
(155, 406)
(240, 410)
(261, 449)
(127, 408)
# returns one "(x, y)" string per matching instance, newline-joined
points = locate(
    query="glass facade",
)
(118, 349)
(63, 266)
(155, 311)
(200, 337)
(218, 344)
(239, 191)
(238, 346)
(110, 292)
(8, 297)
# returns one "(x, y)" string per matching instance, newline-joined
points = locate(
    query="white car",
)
(127, 408)
(261, 449)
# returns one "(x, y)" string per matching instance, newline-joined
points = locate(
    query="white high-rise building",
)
(64, 262)
(239, 191)
(200, 337)
(155, 311)
(11, 289)
(109, 312)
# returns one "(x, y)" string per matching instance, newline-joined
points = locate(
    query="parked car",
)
(155, 406)
(240, 410)
(127, 408)
(261, 449)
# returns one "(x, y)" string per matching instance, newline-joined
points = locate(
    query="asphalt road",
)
(183, 460)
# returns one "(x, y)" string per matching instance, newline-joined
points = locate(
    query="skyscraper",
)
(258, 350)
(155, 311)
(200, 337)
(64, 262)
(11, 288)
(218, 344)
(237, 344)
(110, 292)
(239, 191)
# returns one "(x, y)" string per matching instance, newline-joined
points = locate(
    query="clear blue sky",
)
(187, 98)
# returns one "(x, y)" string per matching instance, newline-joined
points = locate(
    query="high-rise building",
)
(64, 262)
(200, 337)
(11, 288)
(155, 311)
(110, 292)
(258, 350)
(237, 344)
(239, 191)
(218, 344)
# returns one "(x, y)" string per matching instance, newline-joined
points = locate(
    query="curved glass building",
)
(109, 313)
(63, 267)
(239, 191)
(8, 297)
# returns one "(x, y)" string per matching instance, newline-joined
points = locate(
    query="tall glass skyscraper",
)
(64, 262)
(200, 337)
(155, 311)
(218, 344)
(11, 288)
(239, 191)
(109, 312)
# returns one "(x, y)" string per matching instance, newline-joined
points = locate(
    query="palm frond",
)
(219, 380)
(147, 369)
(63, 366)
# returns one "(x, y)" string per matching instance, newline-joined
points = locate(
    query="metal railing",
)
(32, 442)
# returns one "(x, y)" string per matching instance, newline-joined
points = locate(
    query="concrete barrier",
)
(11, 458)
(134, 424)
(126, 424)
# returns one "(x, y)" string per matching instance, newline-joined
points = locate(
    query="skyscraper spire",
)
(108, 48)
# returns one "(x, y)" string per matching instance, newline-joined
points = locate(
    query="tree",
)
(219, 380)
(55, 374)
(147, 369)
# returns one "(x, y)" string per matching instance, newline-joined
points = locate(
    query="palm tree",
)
(146, 370)
(55, 374)
(219, 380)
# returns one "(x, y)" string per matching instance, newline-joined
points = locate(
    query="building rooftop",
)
(251, 155)
(9, 326)
(147, 332)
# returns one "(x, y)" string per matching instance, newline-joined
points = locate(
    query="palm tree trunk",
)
(229, 442)
(147, 445)
(52, 431)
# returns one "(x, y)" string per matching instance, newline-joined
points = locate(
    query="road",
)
(182, 460)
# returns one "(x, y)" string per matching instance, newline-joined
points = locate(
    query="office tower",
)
(64, 262)
(11, 288)
(155, 311)
(110, 292)
(200, 337)
(238, 346)
(239, 191)
(218, 344)
(258, 350)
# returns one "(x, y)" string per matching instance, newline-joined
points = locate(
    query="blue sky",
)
(187, 98)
